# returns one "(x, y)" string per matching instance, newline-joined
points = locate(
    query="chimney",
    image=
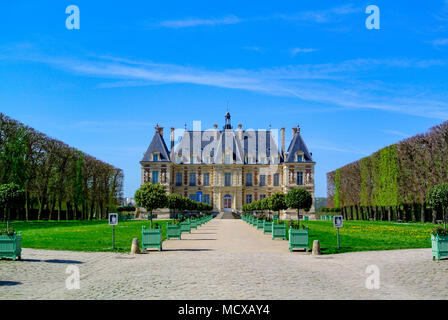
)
(216, 131)
(240, 131)
(282, 130)
(159, 130)
(172, 138)
(294, 131)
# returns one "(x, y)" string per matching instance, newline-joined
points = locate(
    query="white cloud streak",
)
(337, 85)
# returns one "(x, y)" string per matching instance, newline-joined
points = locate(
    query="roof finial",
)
(185, 126)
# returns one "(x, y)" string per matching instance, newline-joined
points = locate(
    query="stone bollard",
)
(135, 248)
(316, 247)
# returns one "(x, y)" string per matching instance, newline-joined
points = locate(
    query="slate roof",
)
(157, 144)
(214, 144)
(297, 144)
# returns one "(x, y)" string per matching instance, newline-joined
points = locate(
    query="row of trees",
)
(393, 183)
(153, 196)
(298, 198)
(55, 180)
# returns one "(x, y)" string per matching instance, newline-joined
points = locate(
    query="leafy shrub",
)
(439, 231)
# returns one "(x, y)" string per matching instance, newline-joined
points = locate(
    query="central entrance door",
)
(227, 203)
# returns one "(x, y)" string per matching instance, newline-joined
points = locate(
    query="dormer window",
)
(275, 160)
(300, 158)
(262, 160)
(155, 157)
(227, 159)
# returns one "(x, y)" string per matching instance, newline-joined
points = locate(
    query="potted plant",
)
(10, 245)
(260, 222)
(279, 231)
(439, 242)
(298, 236)
(152, 238)
(267, 226)
(173, 230)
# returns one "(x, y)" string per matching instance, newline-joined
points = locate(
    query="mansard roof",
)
(157, 145)
(215, 144)
(297, 145)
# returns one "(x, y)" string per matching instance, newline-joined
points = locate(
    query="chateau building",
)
(228, 168)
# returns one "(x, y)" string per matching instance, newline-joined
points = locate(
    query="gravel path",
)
(224, 259)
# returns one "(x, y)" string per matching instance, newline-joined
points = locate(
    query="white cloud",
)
(396, 133)
(343, 87)
(183, 23)
(440, 42)
(302, 50)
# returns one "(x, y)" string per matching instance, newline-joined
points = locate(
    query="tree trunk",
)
(422, 213)
(59, 209)
(434, 215)
(27, 204)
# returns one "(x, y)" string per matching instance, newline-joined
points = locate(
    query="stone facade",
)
(228, 168)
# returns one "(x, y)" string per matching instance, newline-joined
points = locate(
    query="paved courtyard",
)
(224, 259)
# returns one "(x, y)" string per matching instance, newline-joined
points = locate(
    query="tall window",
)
(206, 198)
(299, 178)
(192, 197)
(262, 180)
(227, 179)
(248, 179)
(155, 177)
(276, 179)
(155, 157)
(192, 179)
(262, 196)
(206, 179)
(248, 198)
(178, 178)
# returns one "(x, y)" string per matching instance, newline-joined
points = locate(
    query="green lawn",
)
(97, 235)
(81, 235)
(369, 235)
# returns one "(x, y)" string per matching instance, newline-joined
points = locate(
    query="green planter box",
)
(298, 239)
(439, 247)
(173, 231)
(185, 227)
(275, 218)
(151, 238)
(306, 218)
(260, 224)
(279, 231)
(194, 224)
(11, 246)
(267, 227)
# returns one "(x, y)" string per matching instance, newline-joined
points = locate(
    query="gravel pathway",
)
(224, 259)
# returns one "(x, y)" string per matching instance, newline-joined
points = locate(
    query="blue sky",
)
(134, 64)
